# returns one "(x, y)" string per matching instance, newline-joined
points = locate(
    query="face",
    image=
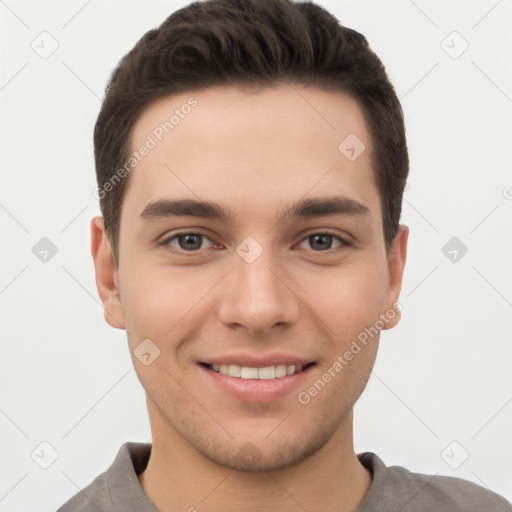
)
(252, 306)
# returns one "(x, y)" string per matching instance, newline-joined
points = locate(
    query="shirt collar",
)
(127, 493)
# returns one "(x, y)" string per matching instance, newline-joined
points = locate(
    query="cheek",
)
(348, 305)
(161, 303)
(347, 300)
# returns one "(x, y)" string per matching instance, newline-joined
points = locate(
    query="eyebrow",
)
(306, 208)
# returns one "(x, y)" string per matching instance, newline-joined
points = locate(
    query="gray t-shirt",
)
(393, 489)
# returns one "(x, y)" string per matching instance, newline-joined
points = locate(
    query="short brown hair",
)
(251, 43)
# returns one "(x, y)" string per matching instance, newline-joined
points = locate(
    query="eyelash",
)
(166, 242)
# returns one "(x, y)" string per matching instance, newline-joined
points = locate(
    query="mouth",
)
(273, 372)
(255, 378)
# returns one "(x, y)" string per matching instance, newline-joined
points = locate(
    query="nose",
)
(258, 296)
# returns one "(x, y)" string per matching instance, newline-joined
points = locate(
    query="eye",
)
(187, 241)
(323, 240)
(192, 242)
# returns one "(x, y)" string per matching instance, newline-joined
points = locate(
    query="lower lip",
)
(257, 390)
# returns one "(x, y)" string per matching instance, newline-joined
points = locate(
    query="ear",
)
(396, 265)
(107, 280)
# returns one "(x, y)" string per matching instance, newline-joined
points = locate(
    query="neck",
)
(178, 477)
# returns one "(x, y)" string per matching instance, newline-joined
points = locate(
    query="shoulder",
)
(118, 487)
(449, 493)
(92, 498)
(396, 486)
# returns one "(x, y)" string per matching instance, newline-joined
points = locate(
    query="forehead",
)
(252, 149)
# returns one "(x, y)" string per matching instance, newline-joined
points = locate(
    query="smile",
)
(247, 380)
(266, 373)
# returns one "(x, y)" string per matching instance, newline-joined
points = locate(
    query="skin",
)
(254, 153)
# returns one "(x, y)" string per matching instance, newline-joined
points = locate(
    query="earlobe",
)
(106, 274)
(396, 266)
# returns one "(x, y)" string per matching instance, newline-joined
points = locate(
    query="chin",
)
(263, 454)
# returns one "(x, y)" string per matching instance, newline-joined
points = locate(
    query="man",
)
(251, 160)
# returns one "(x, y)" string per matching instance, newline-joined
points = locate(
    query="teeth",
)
(281, 370)
(234, 370)
(267, 373)
(290, 370)
(249, 373)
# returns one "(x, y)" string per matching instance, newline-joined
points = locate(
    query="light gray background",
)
(442, 375)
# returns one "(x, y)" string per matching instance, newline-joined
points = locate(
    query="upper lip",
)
(254, 361)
